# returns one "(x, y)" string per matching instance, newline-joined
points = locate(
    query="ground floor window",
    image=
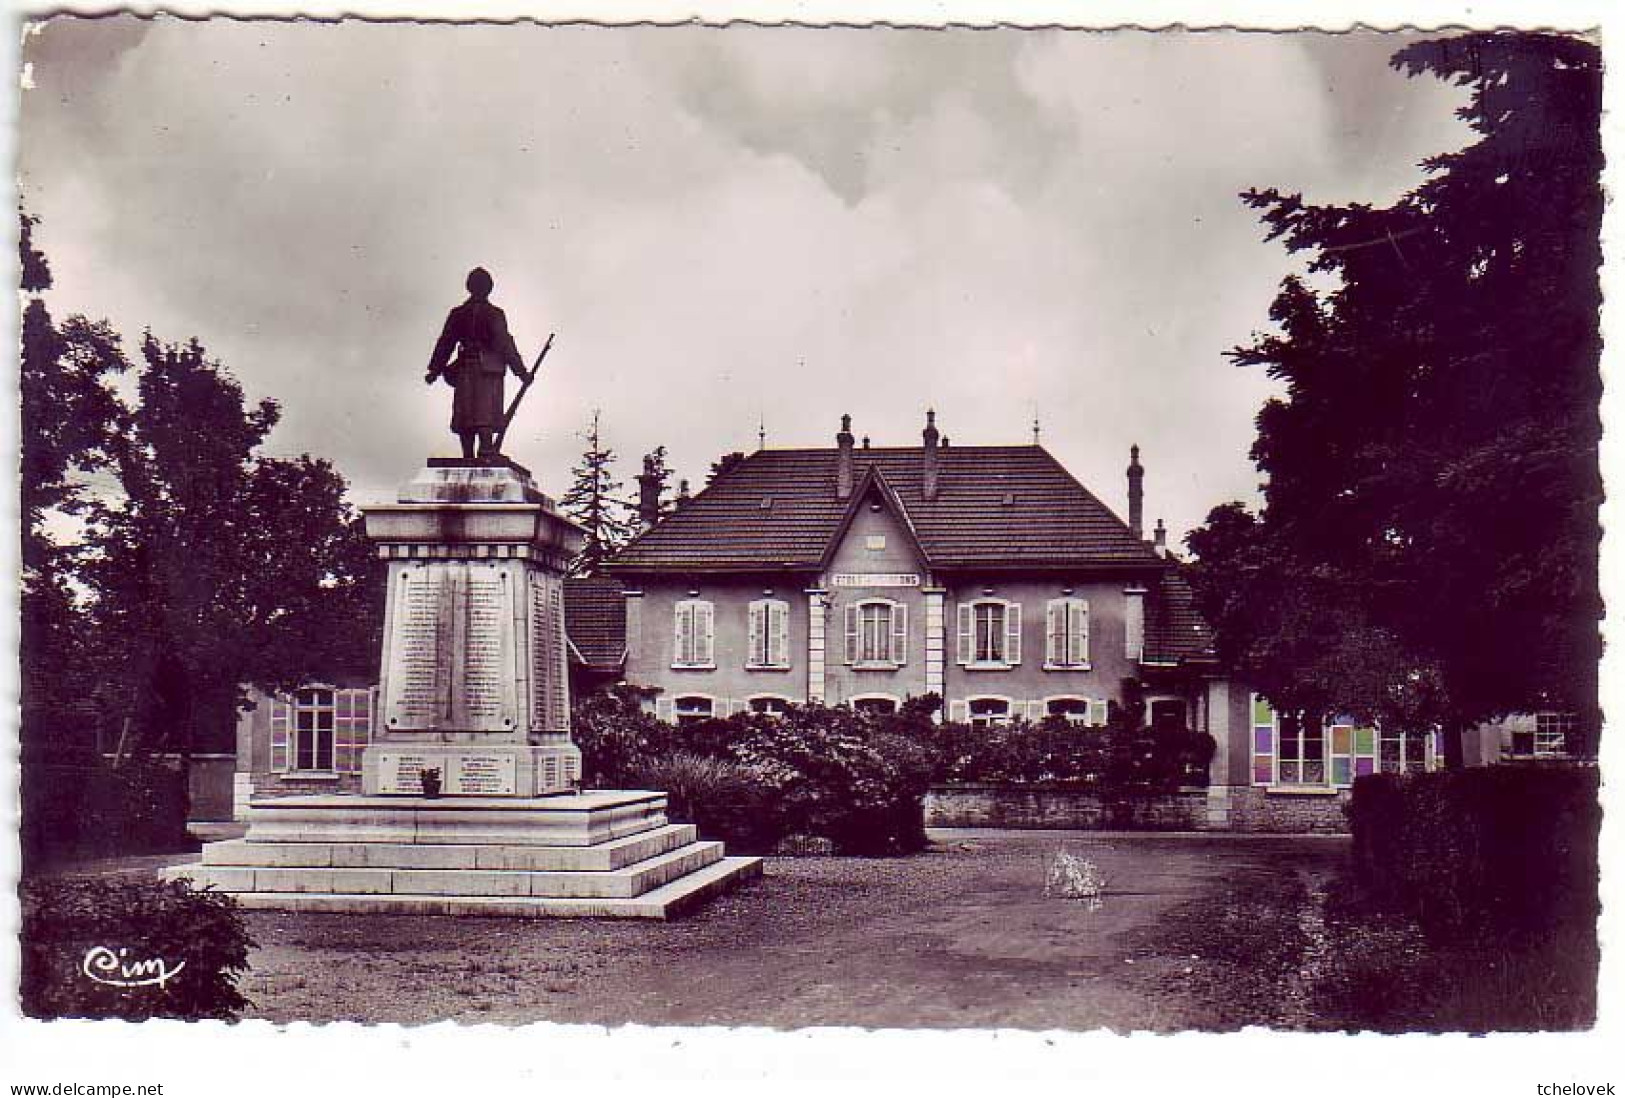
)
(1291, 750)
(1547, 736)
(875, 705)
(1075, 710)
(320, 730)
(693, 707)
(986, 712)
(1301, 751)
(1404, 752)
(770, 705)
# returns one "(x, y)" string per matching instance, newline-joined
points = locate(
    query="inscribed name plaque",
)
(419, 678)
(451, 650)
(475, 774)
(399, 772)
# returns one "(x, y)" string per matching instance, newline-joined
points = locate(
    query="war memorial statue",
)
(471, 800)
(473, 355)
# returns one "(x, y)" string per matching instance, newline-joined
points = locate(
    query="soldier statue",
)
(477, 333)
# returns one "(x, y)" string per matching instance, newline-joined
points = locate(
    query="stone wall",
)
(1253, 808)
(1039, 806)
(1240, 808)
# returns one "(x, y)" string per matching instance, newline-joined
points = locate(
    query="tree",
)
(594, 500)
(724, 464)
(1427, 549)
(214, 567)
(66, 407)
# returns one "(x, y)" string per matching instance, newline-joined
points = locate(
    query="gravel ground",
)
(960, 936)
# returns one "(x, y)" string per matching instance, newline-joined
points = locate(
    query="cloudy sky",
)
(725, 227)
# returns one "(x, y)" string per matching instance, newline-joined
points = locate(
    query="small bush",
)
(724, 799)
(75, 927)
(1503, 851)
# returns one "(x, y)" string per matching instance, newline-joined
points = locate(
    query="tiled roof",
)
(595, 619)
(1174, 629)
(997, 507)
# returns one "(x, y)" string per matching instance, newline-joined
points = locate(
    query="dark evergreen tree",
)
(595, 502)
(1427, 550)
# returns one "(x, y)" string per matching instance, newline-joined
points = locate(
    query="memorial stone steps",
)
(610, 854)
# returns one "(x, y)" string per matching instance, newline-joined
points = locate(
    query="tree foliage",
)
(1427, 549)
(596, 502)
(202, 565)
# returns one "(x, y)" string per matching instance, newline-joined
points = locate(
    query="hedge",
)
(83, 937)
(1501, 851)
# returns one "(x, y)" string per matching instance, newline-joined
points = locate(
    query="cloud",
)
(725, 226)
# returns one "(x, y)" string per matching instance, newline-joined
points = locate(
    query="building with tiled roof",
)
(861, 575)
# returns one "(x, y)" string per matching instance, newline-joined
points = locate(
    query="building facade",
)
(862, 575)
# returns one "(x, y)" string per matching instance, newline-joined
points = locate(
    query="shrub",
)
(1503, 851)
(72, 926)
(724, 799)
(834, 773)
(617, 737)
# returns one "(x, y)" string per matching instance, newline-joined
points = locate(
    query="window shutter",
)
(779, 634)
(1012, 632)
(965, 648)
(663, 710)
(706, 632)
(1099, 712)
(899, 633)
(1055, 631)
(349, 729)
(1078, 632)
(851, 632)
(1035, 711)
(958, 711)
(756, 652)
(1264, 742)
(281, 722)
(683, 650)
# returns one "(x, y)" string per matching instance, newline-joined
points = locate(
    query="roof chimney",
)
(843, 460)
(1161, 539)
(931, 457)
(1136, 494)
(682, 494)
(648, 493)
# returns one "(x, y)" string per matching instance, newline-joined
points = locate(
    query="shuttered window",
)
(989, 633)
(1066, 633)
(768, 634)
(877, 633)
(695, 641)
(321, 730)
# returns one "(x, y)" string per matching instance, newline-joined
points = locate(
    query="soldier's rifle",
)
(524, 388)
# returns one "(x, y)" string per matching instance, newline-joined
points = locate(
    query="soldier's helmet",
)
(479, 283)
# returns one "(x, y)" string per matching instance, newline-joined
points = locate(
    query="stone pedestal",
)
(474, 681)
(473, 686)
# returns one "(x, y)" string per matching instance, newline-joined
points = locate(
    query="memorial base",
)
(608, 854)
(394, 767)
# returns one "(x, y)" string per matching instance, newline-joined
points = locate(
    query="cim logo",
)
(115, 969)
